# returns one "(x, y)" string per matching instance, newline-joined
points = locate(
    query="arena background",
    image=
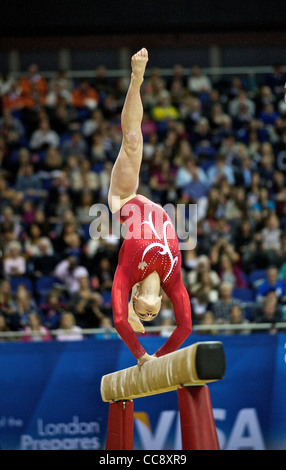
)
(50, 391)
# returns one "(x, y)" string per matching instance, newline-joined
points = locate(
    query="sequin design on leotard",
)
(165, 249)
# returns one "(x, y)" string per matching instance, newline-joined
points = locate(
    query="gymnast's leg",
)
(125, 173)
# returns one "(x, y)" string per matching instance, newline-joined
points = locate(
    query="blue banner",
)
(50, 395)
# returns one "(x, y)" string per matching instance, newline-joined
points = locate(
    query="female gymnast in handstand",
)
(149, 258)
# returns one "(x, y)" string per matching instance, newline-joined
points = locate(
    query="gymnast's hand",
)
(144, 359)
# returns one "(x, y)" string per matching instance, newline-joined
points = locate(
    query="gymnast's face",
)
(147, 308)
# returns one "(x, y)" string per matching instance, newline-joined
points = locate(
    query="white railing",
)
(166, 72)
(162, 330)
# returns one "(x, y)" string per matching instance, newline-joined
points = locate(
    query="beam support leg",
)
(120, 426)
(197, 421)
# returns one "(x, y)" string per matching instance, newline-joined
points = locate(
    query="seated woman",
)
(35, 331)
(230, 273)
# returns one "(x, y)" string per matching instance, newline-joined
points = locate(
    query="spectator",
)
(222, 308)
(84, 96)
(281, 254)
(196, 190)
(272, 284)
(220, 170)
(276, 80)
(45, 260)
(164, 110)
(167, 324)
(93, 123)
(203, 266)
(98, 149)
(58, 94)
(236, 207)
(14, 263)
(271, 233)
(105, 274)
(44, 136)
(75, 146)
(35, 331)
(60, 209)
(198, 82)
(63, 119)
(263, 207)
(206, 286)
(241, 100)
(153, 88)
(23, 304)
(84, 205)
(200, 305)
(52, 308)
(14, 100)
(255, 256)
(178, 76)
(189, 259)
(243, 237)
(102, 83)
(209, 320)
(61, 78)
(66, 239)
(4, 328)
(221, 237)
(176, 92)
(29, 182)
(68, 330)
(52, 160)
(166, 307)
(107, 329)
(282, 272)
(236, 317)
(268, 115)
(201, 138)
(10, 220)
(28, 213)
(84, 178)
(230, 273)
(31, 244)
(6, 298)
(85, 304)
(6, 82)
(188, 170)
(12, 128)
(162, 182)
(69, 273)
(190, 112)
(269, 312)
(33, 83)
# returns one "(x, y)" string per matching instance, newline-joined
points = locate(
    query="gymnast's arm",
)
(179, 297)
(120, 297)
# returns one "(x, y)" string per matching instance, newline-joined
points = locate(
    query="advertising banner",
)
(50, 395)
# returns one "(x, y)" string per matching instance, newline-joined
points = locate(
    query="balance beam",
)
(197, 364)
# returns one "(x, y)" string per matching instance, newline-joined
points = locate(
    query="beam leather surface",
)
(163, 374)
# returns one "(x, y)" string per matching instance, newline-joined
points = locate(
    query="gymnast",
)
(149, 258)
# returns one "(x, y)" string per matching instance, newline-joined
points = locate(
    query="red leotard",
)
(150, 245)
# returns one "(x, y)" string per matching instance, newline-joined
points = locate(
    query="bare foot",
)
(138, 64)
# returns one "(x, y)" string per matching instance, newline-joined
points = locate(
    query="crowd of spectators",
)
(218, 143)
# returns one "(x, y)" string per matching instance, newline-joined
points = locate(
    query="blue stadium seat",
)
(16, 281)
(244, 294)
(106, 297)
(257, 276)
(45, 284)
